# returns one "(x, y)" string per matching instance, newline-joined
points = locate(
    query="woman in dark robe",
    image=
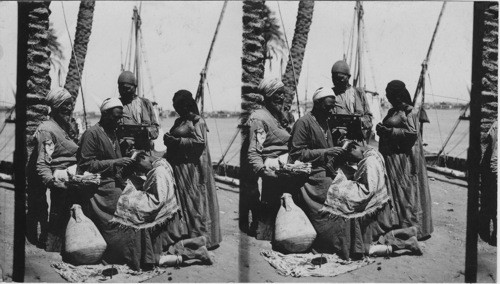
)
(401, 145)
(189, 156)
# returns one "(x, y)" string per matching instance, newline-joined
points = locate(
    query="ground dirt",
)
(238, 257)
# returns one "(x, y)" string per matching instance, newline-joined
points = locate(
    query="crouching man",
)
(365, 203)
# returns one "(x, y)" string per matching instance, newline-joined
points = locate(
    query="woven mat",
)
(299, 265)
(93, 273)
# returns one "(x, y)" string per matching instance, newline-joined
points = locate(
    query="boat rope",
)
(420, 84)
(235, 152)
(291, 60)
(435, 109)
(9, 114)
(453, 129)
(77, 68)
(215, 119)
(228, 147)
(5, 146)
(462, 137)
(203, 74)
(369, 60)
(146, 62)
(350, 46)
(128, 54)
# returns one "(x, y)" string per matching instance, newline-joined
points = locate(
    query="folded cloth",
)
(302, 265)
(362, 196)
(94, 273)
(145, 204)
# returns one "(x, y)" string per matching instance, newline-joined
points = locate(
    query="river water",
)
(221, 130)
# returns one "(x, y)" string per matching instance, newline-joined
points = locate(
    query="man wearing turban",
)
(350, 100)
(136, 110)
(268, 140)
(53, 154)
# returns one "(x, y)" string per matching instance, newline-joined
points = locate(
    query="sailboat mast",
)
(137, 23)
(419, 102)
(203, 74)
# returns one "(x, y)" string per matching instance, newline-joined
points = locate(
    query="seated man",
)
(138, 247)
(365, 203)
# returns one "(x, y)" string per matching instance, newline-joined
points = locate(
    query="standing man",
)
(349, 101)
(136, 111)
(55, 151)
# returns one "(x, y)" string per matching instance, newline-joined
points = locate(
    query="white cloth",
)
(323, 93)
(56, 97)
(110, 103)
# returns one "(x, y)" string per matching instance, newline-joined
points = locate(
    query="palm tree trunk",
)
(252, 62)
(483, 109)
(299, 42)
(489, 95)
(38, 68)
(82, 35)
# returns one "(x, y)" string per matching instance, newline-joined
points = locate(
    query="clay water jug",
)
(83, 244)
(293, 231)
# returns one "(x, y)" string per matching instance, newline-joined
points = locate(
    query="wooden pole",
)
(20, 153)
(428, 57)
(474, 151)
(200, 96)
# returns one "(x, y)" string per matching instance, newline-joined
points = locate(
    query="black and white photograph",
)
(248, 141)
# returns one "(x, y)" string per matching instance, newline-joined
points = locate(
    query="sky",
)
(177, 38)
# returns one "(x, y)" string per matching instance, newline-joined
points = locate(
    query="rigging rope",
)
(5, 145)
(215, 119)
(77, 68)
(291, 60)
(462, 137)
(146, 62)
(199, 93)
(435, 109)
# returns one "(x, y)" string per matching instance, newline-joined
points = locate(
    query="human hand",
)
(57, 184)
(169, 139)
(382, 129)
(272, 164)
(335, 152)
(269, 173)
(123, 162)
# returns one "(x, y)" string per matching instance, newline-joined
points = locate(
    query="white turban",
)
(110, 103)
(268, 87)
(323, 93)
(56, 97)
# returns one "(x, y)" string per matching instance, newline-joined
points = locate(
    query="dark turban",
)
(185, 97)
(398, 89)
(127, 77)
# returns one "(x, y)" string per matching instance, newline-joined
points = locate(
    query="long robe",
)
(190, 160)
(346, 237)
(268, 139)
(126, 245)
(405, 162)
(55, 150)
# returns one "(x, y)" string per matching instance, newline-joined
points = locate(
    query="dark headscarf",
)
(398, 89)
(185, 97)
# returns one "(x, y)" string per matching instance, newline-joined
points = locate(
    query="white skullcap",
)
(110, 103)
(323, 93)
